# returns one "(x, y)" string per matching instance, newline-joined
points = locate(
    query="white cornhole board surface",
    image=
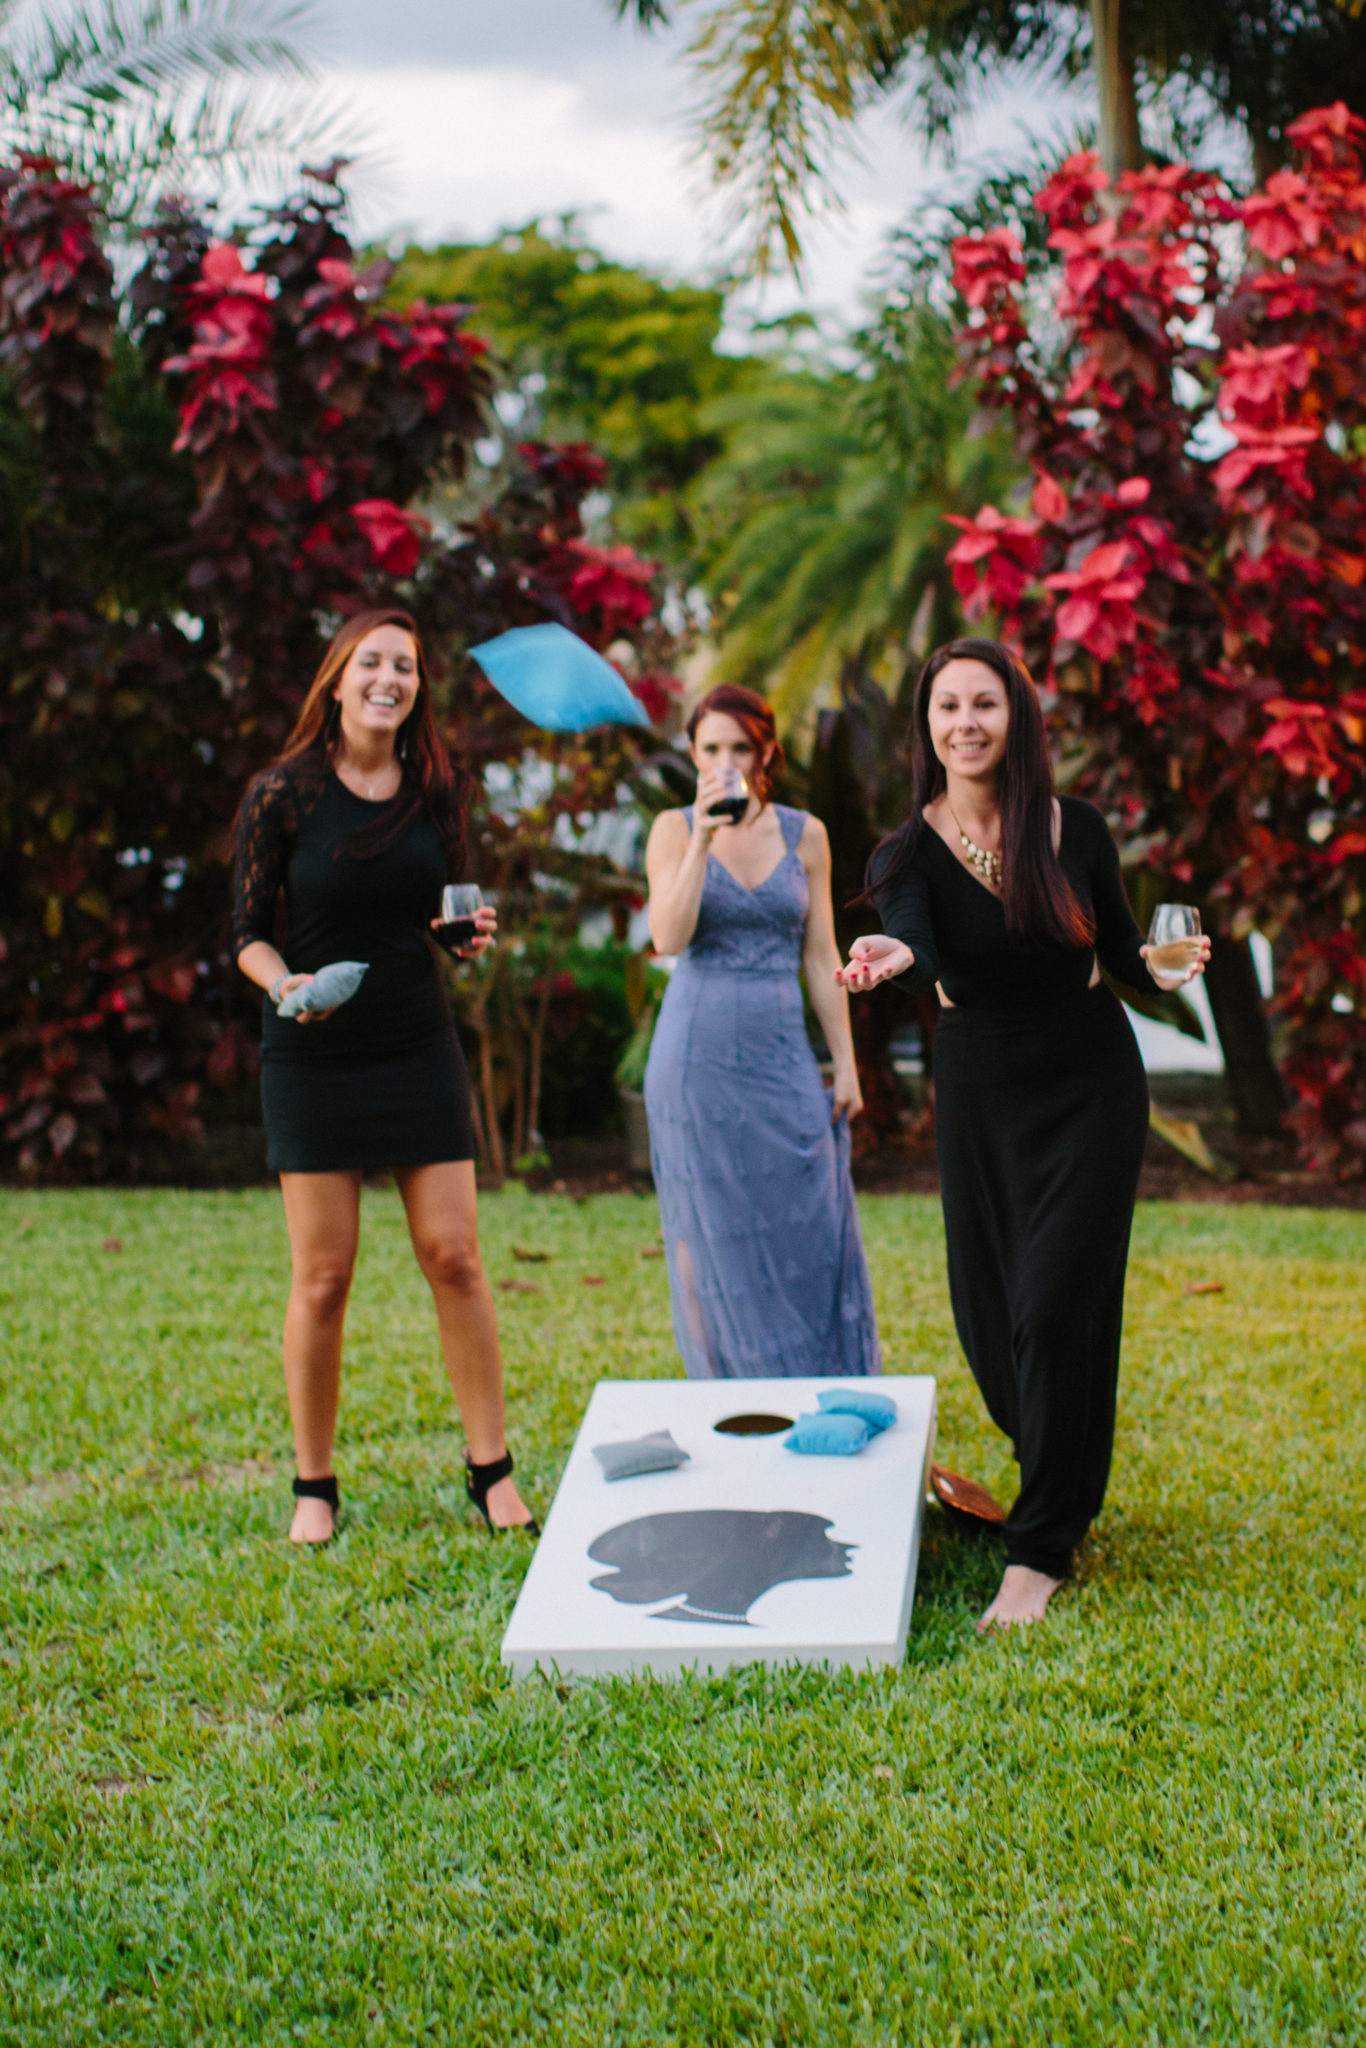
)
(754, 1567)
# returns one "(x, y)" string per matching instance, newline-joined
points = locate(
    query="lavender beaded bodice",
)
(753, 931)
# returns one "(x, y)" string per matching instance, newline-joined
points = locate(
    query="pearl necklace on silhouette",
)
(983, 862)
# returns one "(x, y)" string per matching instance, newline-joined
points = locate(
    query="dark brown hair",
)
(754, 715)
(1039, 904)
(431, 781)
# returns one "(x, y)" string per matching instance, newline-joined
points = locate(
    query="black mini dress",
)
(382, 1082)
(1041, 1115)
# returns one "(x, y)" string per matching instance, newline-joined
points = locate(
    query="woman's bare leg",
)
(442, 1220)
(322, 1211)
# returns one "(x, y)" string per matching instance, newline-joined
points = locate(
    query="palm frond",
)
(781, 83)
(127, 48)
(138, 95)
(647, 13)
(196, 144)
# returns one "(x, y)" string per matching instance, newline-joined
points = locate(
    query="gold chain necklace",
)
(985, 864)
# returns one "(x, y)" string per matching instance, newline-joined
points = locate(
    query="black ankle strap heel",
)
(320, 1489)
(479, 1482)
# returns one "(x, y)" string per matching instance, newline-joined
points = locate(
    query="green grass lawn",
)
(256, 1796)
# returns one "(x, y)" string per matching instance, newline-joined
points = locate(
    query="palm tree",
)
(134, 95)
(782, 80)
(827, 511)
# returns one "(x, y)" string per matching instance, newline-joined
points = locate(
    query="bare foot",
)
(313, 1522)
(1023, 1597)
(507, 1509)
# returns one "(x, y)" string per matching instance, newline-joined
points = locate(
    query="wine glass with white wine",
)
(1174, 938)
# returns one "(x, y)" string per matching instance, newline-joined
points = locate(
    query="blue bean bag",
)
(556, 680)
(877, 1410)
(656, 1452)
(827, 1436)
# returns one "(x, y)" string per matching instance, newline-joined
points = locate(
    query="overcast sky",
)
(485, 113)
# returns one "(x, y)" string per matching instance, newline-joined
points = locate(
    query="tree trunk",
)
(492, 1131)
(483, 1024)
(518, 1053)
(537, 1055)
(1258, 1092)
(1121, 143)
(481, 1143)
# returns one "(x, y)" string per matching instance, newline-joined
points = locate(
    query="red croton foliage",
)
(190, 498)
(1190, 581)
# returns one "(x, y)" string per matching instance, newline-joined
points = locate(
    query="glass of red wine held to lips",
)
(733, 801)
(459, 924)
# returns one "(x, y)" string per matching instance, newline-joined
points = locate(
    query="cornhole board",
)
(748, 1554)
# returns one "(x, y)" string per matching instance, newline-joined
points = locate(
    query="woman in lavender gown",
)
(750, 1154)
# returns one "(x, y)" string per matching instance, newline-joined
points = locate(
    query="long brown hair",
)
(754, 715)
(431, 781)
(1040, 906)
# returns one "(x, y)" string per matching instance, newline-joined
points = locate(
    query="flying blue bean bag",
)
(877, 1410)
(329, 988)
(556, 680)
(827, 1436)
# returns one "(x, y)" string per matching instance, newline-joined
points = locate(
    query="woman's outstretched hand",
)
(873, 959)
(1169, 981)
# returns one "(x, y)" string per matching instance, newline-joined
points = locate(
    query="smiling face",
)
(378, 687)
(722, 742)
(969, 714)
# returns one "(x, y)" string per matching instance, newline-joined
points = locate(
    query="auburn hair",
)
(1039, 902)
(754, 715)
(430, 780)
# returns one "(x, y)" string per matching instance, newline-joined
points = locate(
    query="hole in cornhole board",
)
(752, 1425)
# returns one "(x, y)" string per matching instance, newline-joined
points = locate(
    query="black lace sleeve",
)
(264, 828)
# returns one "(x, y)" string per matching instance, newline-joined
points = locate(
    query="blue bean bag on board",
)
(827, 1436)
(877, 1410)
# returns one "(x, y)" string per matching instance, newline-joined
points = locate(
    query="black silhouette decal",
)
(718, 1559)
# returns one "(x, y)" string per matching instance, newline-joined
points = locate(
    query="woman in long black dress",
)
(358, 824)
(1005, 898)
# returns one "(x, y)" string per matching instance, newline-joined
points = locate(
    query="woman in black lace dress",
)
(357, 826)
(1008, 900)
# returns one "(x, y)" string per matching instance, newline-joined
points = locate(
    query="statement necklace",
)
(987, 865)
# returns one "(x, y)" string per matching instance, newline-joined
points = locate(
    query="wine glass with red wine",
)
(458, 926)
(734, 800)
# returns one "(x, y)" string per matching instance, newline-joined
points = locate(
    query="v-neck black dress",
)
(382, 1082)
(1041, 1112)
